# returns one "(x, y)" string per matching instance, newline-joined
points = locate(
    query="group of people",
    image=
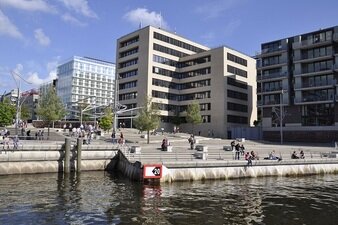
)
(5, 139)
(249, 156)
(237, 148)
(272, 156)
(294, 155)
(120, 140)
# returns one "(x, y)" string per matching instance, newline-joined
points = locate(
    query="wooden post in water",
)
(79, 154)
(67, 156)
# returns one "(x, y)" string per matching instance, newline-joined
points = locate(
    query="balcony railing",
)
(317, 98)
(314, 71)
(309, 42)
(314, 58)
(271, 50)
(315, 84)
(272, 75)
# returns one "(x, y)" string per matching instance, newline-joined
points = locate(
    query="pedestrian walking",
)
(237, 151)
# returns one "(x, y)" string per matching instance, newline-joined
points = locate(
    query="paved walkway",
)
(181, 148)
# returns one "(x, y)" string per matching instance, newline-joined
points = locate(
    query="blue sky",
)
(37, 35)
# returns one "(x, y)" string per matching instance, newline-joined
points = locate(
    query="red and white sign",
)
(152, 171)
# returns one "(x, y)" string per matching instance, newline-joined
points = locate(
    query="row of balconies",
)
(297, 45)
(311, 43)
(316, 99)
(262, 77)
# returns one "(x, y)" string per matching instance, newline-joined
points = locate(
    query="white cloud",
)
(8, 28)
(213, 9)
(29, 5)
(41, 37)
(36, 80)
(145, 17)
(80, 6)
(72, 20)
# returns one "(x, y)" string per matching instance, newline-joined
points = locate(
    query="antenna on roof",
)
(140, 25)
(160, 20)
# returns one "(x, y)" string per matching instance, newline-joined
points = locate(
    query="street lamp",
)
(281, 114)
(18, 85)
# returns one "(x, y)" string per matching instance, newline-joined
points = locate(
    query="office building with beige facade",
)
(174, 72)
(298, 76)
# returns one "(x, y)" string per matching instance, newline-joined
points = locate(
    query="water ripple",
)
(101, 198)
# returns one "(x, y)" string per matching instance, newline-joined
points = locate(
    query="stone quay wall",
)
(50, 158)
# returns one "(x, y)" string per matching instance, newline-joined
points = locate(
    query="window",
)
(128, 96)
(127, 85)
(169, 51)
(318, 115)
(164, 60)
(237, 119)
(128, 74)
(234, 82)
(193, 62)
(176, 42)
(237, 107)
(237, 71)
(129, 41)
(237, 59)
(128, 63)
(128, 52)
(237, 95)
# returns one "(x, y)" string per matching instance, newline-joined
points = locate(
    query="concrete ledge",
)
(169, 148)
(135, 149)
(213, 173)
(202, 148)
(227, 148)
(201, 155)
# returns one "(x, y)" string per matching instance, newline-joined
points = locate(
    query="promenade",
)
(180, 147)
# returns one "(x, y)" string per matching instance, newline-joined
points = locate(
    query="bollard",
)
(67, 156)
(79, 154)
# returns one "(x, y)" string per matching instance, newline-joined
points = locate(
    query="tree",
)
(148, 118)
(25, 114)
(7, 113)
(194, 114)
(106, 121)
(50, 107)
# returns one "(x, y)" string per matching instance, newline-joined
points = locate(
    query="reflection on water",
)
(102, 198)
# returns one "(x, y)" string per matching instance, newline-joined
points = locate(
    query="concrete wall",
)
(237, 169)
(43, 159)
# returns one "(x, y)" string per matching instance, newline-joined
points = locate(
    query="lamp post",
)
(281, 114)
(18, 86)
(116, 95)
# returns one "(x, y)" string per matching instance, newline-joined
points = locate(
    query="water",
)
(102, 198)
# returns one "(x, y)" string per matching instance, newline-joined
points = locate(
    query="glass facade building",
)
(86, 80)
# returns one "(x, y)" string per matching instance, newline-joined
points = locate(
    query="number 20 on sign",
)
(152, 171)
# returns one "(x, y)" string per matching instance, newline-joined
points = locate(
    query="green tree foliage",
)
(148, 118)
(50, 107)
(7, 113)
(106, 122)
(25, 114)
(193, 114)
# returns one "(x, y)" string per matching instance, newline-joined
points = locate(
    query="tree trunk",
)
(148, 136)
(48, 131)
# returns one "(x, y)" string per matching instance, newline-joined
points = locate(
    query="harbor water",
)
(104, 198)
